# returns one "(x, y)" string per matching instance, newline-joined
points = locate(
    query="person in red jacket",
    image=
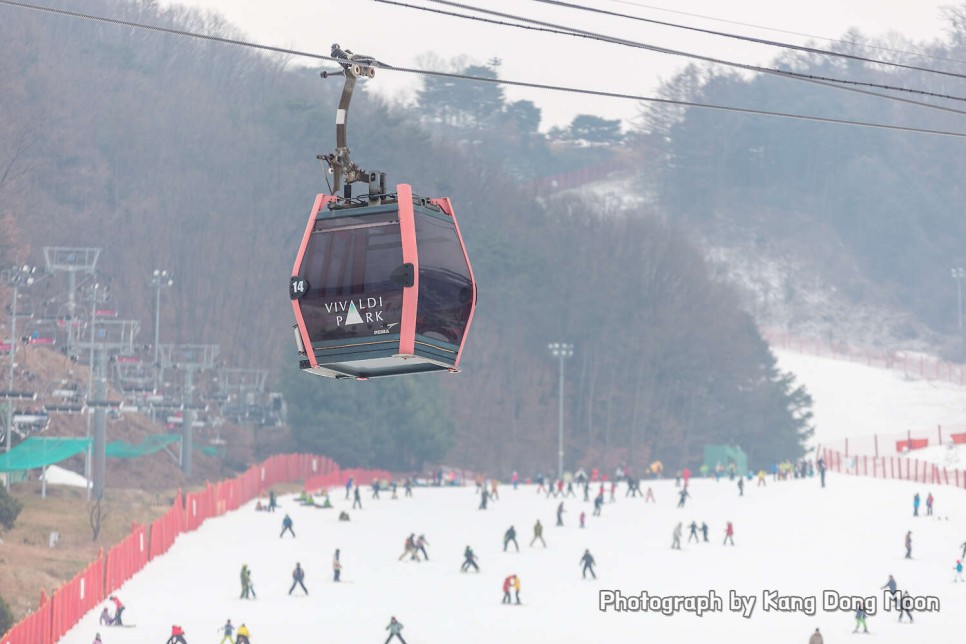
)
(177, 636)
(729, 534)
(118, 609)
(507, 583)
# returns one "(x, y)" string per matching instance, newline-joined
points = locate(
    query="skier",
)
(421, 544)
(929, 502)
(510, 535)
(409, 548)
(408, 486)
(682, 496)
(272, 501)
(598, 504)
(588, 563)
(375, 488)
(613, 490)
(890, 584)
(649, 496)
(676, 537)
(393, 486)
(507, 585)
(821, 470)
(860, 616)
(570, 490)
(106, 618)
(907, 601)
(915, 505)
(336, 566)
(286, 527)
(741, 487)
(583, 518)
(484, 497)
(228, 630)
(298, 575)
(348, 487)
(586, 491)
(704, 531)
(243, 635)
(729, 534)
(245, 582)
(515, 479)
(909, 545)
(356, 498)
(469, 559)
(963, 546)
(761, 482)
(97, 639)
(118, 610)
(959, 570)
(540, 487)
(493, 490)
(694, 532)
(177, 636)
(538, 534)
(560, 512)
(394, 629)
(516, 588)
(816, 638)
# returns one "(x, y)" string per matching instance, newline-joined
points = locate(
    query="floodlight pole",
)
(561, 351)
(161, 279)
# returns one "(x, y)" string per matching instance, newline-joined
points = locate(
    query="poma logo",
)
(350, 312)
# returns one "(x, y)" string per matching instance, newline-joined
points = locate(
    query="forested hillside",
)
(879, 213)
(200, 157)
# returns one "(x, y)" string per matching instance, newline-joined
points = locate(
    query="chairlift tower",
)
(72, 261)
(188, 358)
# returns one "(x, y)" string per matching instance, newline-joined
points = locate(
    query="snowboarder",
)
(683, 496)
(694, 532)
(243, 635)
(588, 563)
(909, 545)
(106, 618)
(538, 534)
(906, 601)
(272, 501)
(177, 636)
(336, 566)
(816, 638)
(741, 487)
(704, 531)
(118, 610)
(298, 577)
(959, 570)
(394, 629)
(860, 616)
(729, 534)
(929, 502)
(676, 537)
(507, 585)
(510, 535)
(516, 588)
(560, 512)
(915, 505)
(469, 559)
(356, 498)
(421, 544)
(287, 527)
(227, 630)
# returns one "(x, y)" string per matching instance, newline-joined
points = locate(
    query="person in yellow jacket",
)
(516, 587)
(242, 635)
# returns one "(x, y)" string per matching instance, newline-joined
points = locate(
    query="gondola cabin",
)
(381, 290)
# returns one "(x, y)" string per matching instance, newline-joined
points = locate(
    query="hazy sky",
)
(399, 36)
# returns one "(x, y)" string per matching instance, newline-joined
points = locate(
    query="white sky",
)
(399, 36)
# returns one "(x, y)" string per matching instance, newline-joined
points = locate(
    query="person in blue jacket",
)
(915, 505)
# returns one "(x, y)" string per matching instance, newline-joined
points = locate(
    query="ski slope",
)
(792, 537)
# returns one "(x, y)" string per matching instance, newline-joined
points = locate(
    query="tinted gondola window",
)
(445, 287)
(348, 268)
